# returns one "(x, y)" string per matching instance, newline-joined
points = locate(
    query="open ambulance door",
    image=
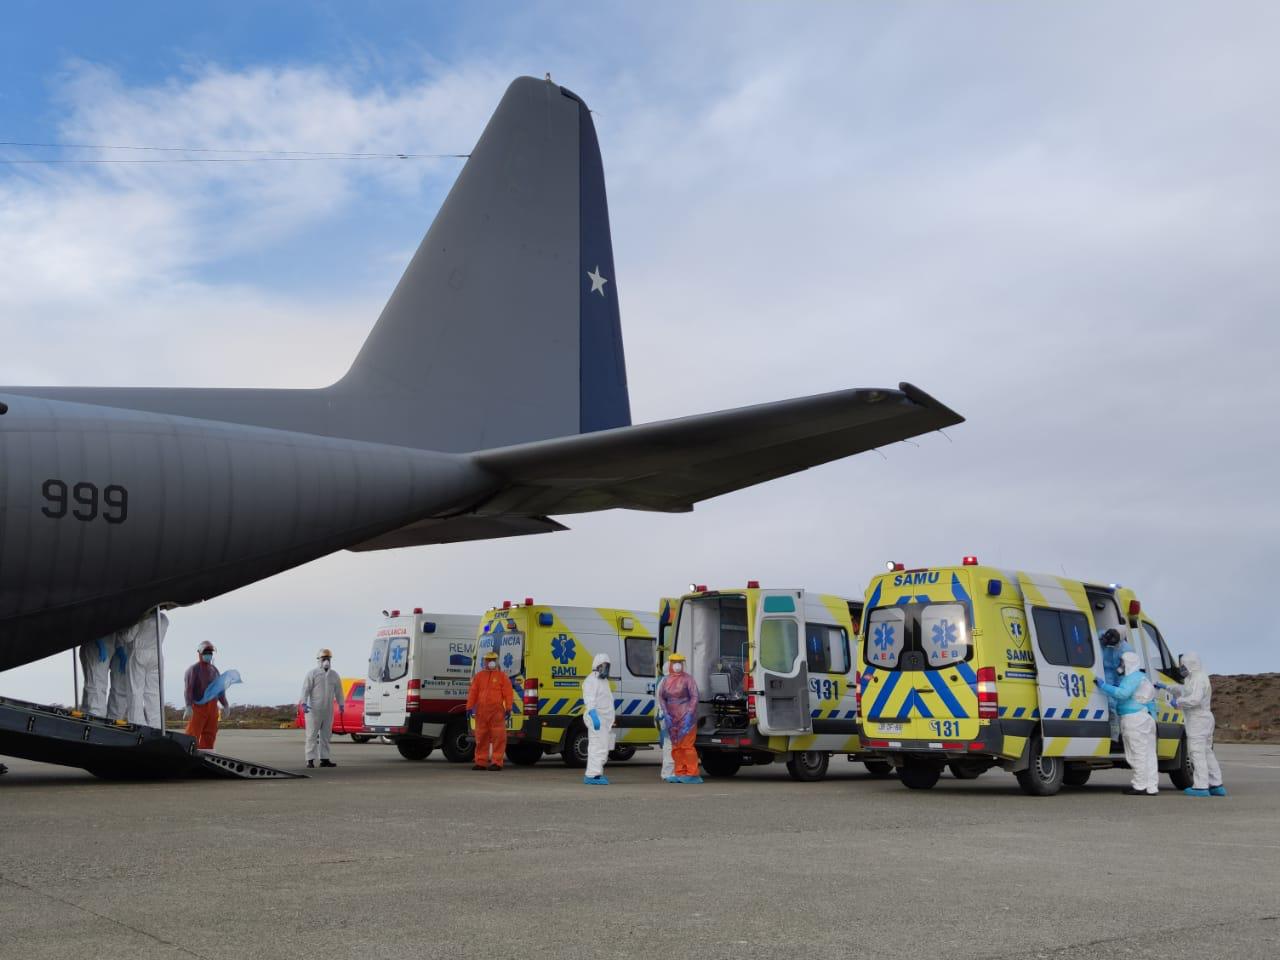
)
(1074, 715)
(780, 672)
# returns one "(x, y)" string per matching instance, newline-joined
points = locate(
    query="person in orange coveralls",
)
(489, 702)
(202, 718)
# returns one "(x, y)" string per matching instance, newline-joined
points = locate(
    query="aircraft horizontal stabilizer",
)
(671, 465)
(458, 529)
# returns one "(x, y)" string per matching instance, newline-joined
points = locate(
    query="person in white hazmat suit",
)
(1133, 695)
(321, 689)
(597, 709)
(142, 673)
(664, 737)
(95, 661)
(121, 644)
(1192, 697)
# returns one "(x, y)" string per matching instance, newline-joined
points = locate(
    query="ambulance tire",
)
(1043, 776)
(880, 769)
(919, 774)
(720, 763)
(574, 753)
(524, 754)
(808, 766)
(1181, 774)
(360, 738)
(457, 744)
(619, 754)
(963, 770)
(1076, 776)
(414, 748)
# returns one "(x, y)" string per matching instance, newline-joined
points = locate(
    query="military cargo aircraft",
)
(490, 395)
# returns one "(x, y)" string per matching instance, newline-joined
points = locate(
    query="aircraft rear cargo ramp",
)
(115, 751)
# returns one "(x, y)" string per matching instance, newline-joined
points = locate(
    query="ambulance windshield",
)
(918, 636)
(377, 658)
(712, 633)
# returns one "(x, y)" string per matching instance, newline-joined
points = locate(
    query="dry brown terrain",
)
(1247, 707)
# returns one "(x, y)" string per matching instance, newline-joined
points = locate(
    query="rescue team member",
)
(143, 671)
(1192, 696)
(489, 702)
(664, 739)
(679, 704)
(321, 689)
(202, 718)
(1133, 694)
(597, 706)
(95, 661)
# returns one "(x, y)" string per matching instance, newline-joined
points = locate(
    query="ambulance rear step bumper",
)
(115, 751)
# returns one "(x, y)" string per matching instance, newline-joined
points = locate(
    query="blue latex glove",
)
(306, 708)
(507, 716)
(123, 656)
(1159, 686)
(471, 714)
(102, 650)
(1173, 702)
(595, 718)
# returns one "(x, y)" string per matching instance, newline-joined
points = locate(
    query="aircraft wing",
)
(671, 465)
(458, 529)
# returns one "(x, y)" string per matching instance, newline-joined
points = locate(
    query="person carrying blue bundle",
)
(1133, 696)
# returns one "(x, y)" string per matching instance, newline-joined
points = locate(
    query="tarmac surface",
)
(383, 858)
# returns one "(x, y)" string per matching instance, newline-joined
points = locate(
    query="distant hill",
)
(245, 717)
(1246, 707)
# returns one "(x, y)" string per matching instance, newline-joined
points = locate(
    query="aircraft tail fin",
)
(505, 327)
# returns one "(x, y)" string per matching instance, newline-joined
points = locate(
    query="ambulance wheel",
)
(1076, 776)
(1181, 774)
(964, 770)
(457, 744)
(619, 754)
(574, 753)
(414, 748)
(1043, 776)
(360, 738)
(718, 763)
(524, 754)
(919, 774)
(808, 765)
(880, 769)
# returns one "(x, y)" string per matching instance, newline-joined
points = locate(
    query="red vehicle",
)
(351, 720)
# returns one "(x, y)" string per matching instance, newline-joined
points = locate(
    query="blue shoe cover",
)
(670, 779)
(595, 781)
(1193, 792)
(1218, 791)
(689, 779)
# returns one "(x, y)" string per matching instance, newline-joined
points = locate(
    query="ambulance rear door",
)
(388, 681)
(1074, 715)
(780, 672)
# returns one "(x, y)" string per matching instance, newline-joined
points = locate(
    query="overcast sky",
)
(1061, 221)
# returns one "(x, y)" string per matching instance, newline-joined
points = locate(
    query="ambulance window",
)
(1156, 642)
(826, 648)
(377, 659)
(1064, 637)
(779, 644)
(397, 658)
(357, 691)
(944, 633)
(886, 636)
(642, 656)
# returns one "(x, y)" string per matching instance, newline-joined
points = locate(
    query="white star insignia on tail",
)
(597, 281)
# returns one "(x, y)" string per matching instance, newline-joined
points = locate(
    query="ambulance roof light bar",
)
(893, 566)
(970, 561)
(753, 584)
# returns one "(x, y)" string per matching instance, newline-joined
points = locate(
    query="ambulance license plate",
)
(889, 727)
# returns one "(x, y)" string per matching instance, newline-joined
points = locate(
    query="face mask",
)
(603, 672)
(207, 657)
(324, 664)
(677, 667)
(491, 664)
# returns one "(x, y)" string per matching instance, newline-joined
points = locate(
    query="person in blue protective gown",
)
(1133, 695)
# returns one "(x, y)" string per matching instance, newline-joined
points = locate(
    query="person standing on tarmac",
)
(680, 706)
(202, 718)
(321, 689)
(597, 707)
(668, 771)
(489, 704)
(1133, 694)
(1193, 697)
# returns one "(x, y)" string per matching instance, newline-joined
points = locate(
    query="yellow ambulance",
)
(774, 671)
(547, 652)
(975, 667)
